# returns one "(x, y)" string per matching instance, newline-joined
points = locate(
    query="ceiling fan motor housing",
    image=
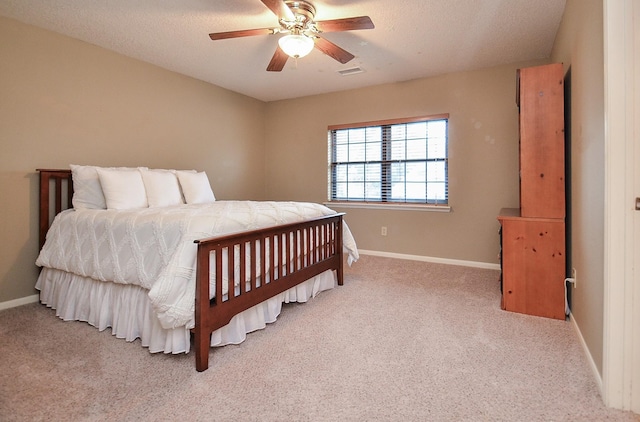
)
(303, 12)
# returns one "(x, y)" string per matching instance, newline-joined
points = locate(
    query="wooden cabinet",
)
(540, 99)
(533, 264)
(533, 236)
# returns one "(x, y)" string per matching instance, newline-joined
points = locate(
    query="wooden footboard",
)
(255, 265)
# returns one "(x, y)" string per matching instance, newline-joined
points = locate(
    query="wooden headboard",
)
(56, 192)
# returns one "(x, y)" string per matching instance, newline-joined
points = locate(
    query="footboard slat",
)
(299, 240)
(271, 263)
(254, 265)
(243, 267)
(279, 258)
(263, 264)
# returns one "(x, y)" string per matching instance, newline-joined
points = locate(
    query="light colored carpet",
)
(400, 341)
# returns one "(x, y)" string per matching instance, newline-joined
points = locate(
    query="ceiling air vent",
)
(350, 71)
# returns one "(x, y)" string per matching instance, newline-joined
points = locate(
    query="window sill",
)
(390, 206)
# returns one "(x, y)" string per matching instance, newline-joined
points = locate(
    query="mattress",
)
(154, 249)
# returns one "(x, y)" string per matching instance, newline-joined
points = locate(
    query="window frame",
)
(386, 167)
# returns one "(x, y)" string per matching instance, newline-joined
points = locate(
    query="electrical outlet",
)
(383, 230)
(574, 276)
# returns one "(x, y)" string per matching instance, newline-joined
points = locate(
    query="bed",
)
(179, 268)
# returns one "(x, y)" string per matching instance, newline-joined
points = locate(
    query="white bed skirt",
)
(127, 309)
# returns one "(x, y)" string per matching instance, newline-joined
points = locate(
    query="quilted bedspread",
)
(154, 247)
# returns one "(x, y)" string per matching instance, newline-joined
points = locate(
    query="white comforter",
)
(154, 247)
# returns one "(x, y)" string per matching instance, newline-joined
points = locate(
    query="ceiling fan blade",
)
(280, 9)
(277, 61)
(242, 33)
(346, 24)
(330, 49)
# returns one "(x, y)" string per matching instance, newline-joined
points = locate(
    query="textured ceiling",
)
(411, 39)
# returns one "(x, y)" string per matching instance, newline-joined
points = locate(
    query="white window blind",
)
(399, 161)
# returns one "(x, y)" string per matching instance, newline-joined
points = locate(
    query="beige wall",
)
(483, 152)
(63, 101)
(579, 45)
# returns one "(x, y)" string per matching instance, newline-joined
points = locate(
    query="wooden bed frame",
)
(304, 250)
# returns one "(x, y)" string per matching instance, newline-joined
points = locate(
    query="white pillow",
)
(123, 189)
(195, 187)
(87, 192)
(162, 187)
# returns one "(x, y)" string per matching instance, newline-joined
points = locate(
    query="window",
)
(399, 161)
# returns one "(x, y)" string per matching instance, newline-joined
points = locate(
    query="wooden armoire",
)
(532, 237)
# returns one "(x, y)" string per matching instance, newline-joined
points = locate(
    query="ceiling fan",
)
(302, 32)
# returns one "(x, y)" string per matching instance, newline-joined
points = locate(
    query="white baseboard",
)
(19, 302)
(475, 264)
(587, 353)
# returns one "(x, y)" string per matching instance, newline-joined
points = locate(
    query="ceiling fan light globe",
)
(295, 45)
